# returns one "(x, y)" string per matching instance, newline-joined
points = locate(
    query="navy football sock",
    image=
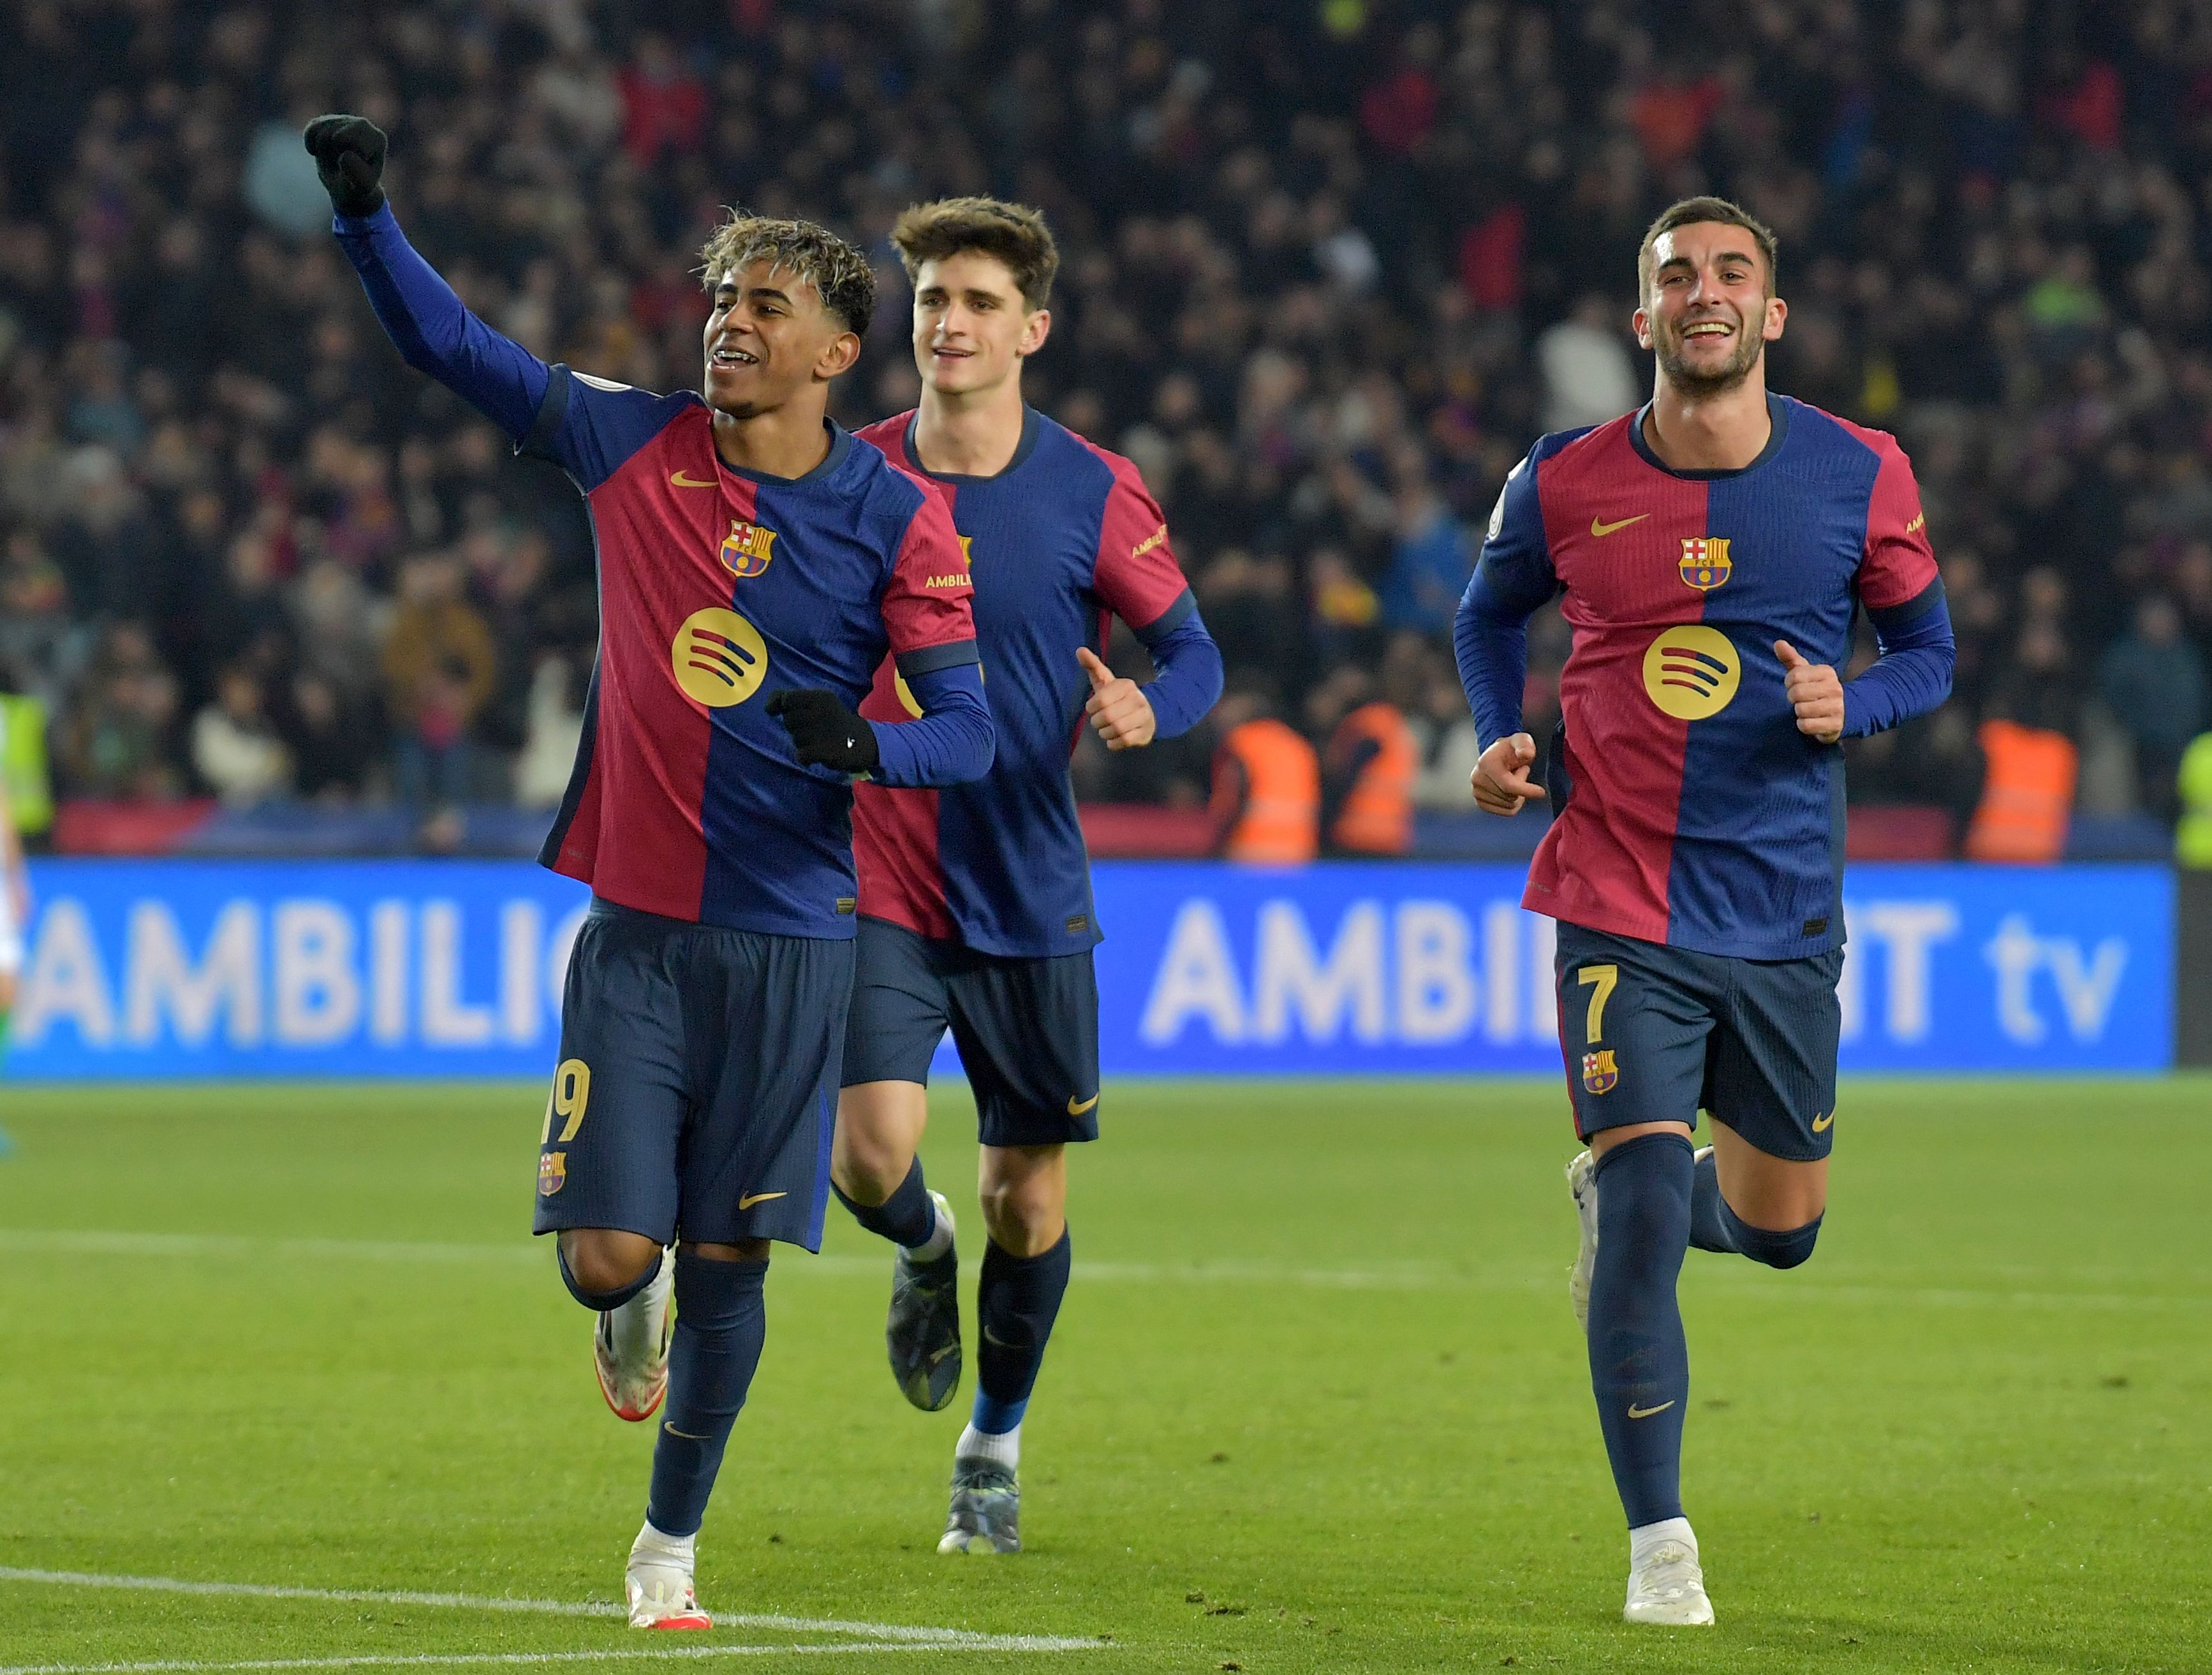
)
(906, 1217)
(1639, 1361)
(721, 1321)
(1016, 1303)
(1785, 1250)
(1709, 1213)
(605, 1300)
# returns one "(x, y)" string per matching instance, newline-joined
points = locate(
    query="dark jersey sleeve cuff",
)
(927, 659)
(1168, 621)
(1891, 618)
(552, 408)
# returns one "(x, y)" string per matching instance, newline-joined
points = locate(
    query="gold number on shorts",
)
(572, 1091)
(1604, 977)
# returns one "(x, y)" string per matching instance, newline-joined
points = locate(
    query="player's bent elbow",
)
(980, 750)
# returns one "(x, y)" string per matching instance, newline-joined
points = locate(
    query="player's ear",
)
(1034, 330)
(1777, 311)
(838, 356)
(1640, 324)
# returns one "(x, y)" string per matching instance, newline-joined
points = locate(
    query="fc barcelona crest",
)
(1599, 1072)
(1704, 562)
(552, 1173)
(748, 549)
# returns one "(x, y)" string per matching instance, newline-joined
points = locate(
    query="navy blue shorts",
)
(1652, 1034)
(697, 1092)
(1026, 1029)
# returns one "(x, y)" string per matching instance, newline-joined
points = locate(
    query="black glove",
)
(349, 154)
(825, 730)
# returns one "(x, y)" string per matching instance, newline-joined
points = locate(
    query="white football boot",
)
(658, 1582)
(1582, 1181)
(1665, 1585)
(629, 1347)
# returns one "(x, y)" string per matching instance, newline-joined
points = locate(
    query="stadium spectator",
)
(1368, 774)
(553, 730)
(118, 739)
(1588, 375)
(328, 733)
(438, 669)
(1445, 743)
(2153, 679)
(235, 750)
(1266, 800)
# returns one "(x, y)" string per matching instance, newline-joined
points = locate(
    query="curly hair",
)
(838, 272)
(1014, 233)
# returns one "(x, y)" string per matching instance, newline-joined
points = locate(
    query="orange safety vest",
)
(1280, 821)
(2027, 794)
(1376, 818)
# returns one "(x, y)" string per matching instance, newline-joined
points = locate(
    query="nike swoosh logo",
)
(1822, 1124)
(1635, 1412)
(685, 480)
(1075, 1110)
(685, 1435)
(746, 1200)
(1603, 529)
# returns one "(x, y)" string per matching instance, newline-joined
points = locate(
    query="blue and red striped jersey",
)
(1688, 808)
(1062, 540)
(717, 587)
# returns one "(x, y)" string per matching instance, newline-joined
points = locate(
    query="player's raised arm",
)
(1512, 579)
(432, 329)
(1137, 575)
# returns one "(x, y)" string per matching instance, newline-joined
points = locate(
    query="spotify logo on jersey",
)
(1692, 672)
(719, 657)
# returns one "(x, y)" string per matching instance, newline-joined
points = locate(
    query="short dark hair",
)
(838, 272)
(1719, 209)
(1012, 234)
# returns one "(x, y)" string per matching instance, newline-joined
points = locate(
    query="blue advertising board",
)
(205, 969)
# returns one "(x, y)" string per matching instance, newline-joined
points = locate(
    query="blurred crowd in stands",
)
(1328, 267)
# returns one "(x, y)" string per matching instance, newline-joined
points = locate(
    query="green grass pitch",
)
(1317, 1401)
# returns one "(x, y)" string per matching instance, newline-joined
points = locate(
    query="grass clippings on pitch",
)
(1317, 1401)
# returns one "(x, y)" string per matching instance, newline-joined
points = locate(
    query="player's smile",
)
(971, 323)
(736, 356)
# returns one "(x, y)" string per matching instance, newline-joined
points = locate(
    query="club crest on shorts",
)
(1599, 1072)
(552, 1173)
(1705, 561)
(748, 548)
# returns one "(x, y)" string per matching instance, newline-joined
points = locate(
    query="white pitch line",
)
(1958, 1297)
(513, 1660)
(889, 1634)
(339, 1595)
(1407, 1276)
(96, 1241)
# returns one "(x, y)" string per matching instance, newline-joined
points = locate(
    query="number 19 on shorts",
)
(572, 1092)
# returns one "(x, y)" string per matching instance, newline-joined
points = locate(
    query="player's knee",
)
(1024, 1216)
(604, 1268)
(1787, 1248)
(867, 1168)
